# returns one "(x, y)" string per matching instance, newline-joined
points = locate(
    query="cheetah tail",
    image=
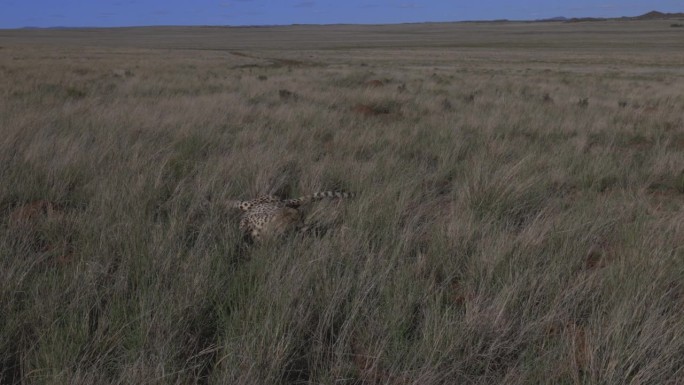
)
(318, 196)
(332, 194)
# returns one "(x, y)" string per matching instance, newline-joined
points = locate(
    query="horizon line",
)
(559, 18)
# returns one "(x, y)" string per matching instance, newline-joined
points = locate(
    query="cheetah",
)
(268, 215)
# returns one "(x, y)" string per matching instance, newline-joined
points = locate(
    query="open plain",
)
(519, 216)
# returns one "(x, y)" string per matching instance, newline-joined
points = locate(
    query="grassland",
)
(519, 219)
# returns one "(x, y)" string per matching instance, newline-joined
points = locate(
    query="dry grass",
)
(519, 219)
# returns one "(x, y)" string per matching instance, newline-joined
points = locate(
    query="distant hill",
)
(557, 18)
(650, 16)
(655, 15)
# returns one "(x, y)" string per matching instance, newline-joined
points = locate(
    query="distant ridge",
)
(557, 18)
(655, 15)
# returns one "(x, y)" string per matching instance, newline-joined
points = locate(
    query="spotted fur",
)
(269, 215)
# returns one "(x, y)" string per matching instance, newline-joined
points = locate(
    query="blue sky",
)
(106, 13)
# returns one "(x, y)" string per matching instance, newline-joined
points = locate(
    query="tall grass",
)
(503, 232)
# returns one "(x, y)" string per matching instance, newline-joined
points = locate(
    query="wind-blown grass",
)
(503, 232)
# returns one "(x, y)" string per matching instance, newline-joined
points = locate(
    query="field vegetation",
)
(519, 215)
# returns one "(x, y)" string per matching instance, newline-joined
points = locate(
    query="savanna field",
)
(518, 219)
